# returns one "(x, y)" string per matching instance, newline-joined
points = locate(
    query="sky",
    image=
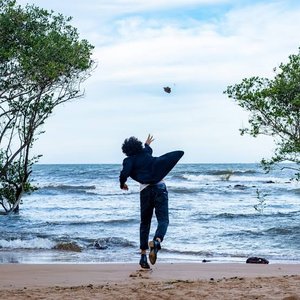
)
(196, 47)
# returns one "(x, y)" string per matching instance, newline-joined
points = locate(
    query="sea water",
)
(218, 212)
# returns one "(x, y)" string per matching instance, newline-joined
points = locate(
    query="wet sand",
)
(164, 281)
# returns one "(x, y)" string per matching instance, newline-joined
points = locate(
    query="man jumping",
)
(149, 171)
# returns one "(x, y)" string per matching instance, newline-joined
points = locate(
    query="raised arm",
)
(149, 140)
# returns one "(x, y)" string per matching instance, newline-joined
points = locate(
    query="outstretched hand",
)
(149, 140)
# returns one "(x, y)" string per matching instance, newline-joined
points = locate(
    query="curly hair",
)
(132, 146)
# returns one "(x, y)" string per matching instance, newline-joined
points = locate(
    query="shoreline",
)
(14, 275)
(56, 257)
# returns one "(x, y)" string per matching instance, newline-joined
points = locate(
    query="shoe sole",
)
(152, 254)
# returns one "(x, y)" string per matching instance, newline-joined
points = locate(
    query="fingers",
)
(124, 187)
(150, 139)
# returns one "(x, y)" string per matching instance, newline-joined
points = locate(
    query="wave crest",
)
(68, 187)
(108, 242)
(34, 243)
(187, 252)
(230, 172)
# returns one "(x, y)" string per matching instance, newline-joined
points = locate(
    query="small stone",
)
(167, 89)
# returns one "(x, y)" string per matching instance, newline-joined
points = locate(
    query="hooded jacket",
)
(146, 169)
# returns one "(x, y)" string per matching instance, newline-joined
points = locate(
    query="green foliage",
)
(274, 106)
(261, 201)
(13, 183)
(42, 64)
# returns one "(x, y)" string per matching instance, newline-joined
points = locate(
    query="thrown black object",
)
(257, 260)
(167, 89)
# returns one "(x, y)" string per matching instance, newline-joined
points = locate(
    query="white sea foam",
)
(235, 178)
(200, 178)
(35, 243)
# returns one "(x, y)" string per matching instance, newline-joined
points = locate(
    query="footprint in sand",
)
(144, 274)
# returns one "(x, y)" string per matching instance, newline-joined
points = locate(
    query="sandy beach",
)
(164, 281)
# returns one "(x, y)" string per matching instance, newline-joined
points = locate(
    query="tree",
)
(42, 65)
(274, 106)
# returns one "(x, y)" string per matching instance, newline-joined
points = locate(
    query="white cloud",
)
(115, 8)
(198, 58)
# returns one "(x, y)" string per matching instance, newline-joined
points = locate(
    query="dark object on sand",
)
(205, 260)
(167, 89)
(257, 260)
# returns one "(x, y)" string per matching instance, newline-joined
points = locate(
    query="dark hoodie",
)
(146, 169)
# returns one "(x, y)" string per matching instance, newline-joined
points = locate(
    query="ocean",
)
(218, 212)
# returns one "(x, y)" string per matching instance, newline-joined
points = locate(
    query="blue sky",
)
(197, 47)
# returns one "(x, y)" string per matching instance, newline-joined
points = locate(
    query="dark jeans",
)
(153, 197)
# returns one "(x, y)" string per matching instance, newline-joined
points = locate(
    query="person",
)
(149, 171)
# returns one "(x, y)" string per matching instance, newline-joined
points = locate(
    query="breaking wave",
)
(34, 243)
(186, 252)
(230, 172)
(65, 189)
(80, 223)
(68, 187)
(108, 242)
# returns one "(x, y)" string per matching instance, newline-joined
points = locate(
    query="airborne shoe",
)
(143, 262)
(154, 247)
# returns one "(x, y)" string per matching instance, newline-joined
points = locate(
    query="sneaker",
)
(143, 262)
(154, 247)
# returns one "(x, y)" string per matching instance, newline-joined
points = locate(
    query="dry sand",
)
(164, 281)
